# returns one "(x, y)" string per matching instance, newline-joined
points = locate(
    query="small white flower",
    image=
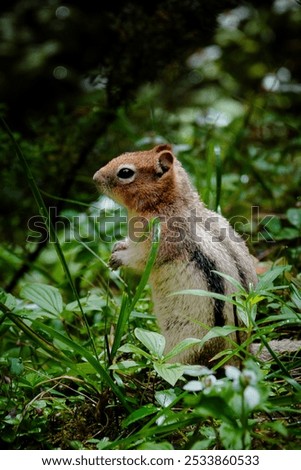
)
(209, 381)
(197, 371)
(193, 386)
(232, 373)
(248, 377)
(251, 397)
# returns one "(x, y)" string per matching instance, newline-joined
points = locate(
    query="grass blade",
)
(218, 177)
(155, 227)
(121, 324)
(127, 306)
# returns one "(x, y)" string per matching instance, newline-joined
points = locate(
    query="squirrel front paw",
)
(115, 260)
(119, 246)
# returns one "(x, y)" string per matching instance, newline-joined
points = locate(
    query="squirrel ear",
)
(164, 162)
(161, 147)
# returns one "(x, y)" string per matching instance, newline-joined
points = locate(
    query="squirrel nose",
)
(96, 176)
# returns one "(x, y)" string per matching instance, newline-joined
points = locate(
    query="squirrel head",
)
(143, 181)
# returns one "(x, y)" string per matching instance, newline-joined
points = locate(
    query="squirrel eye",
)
(125, 173)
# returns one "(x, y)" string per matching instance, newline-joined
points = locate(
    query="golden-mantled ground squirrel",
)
(195, 244)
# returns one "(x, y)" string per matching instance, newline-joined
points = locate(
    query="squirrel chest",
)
(195, 245)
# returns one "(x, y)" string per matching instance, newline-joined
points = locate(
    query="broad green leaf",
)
(139, 414)
(169, 372)
(10, 301)
(273, 225)
(234, 437)
(31, 379)
(45, 296)
(14, 420)
(126, 366)
(287, 233)
(90, 302)
(132, 348)
(218, 331)
(165, 397)
(39, 404)
(204, 444)
(154, 342)
(294, 216)
(150, 445)
(16, 366)
(83, 369)
(182, 346)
